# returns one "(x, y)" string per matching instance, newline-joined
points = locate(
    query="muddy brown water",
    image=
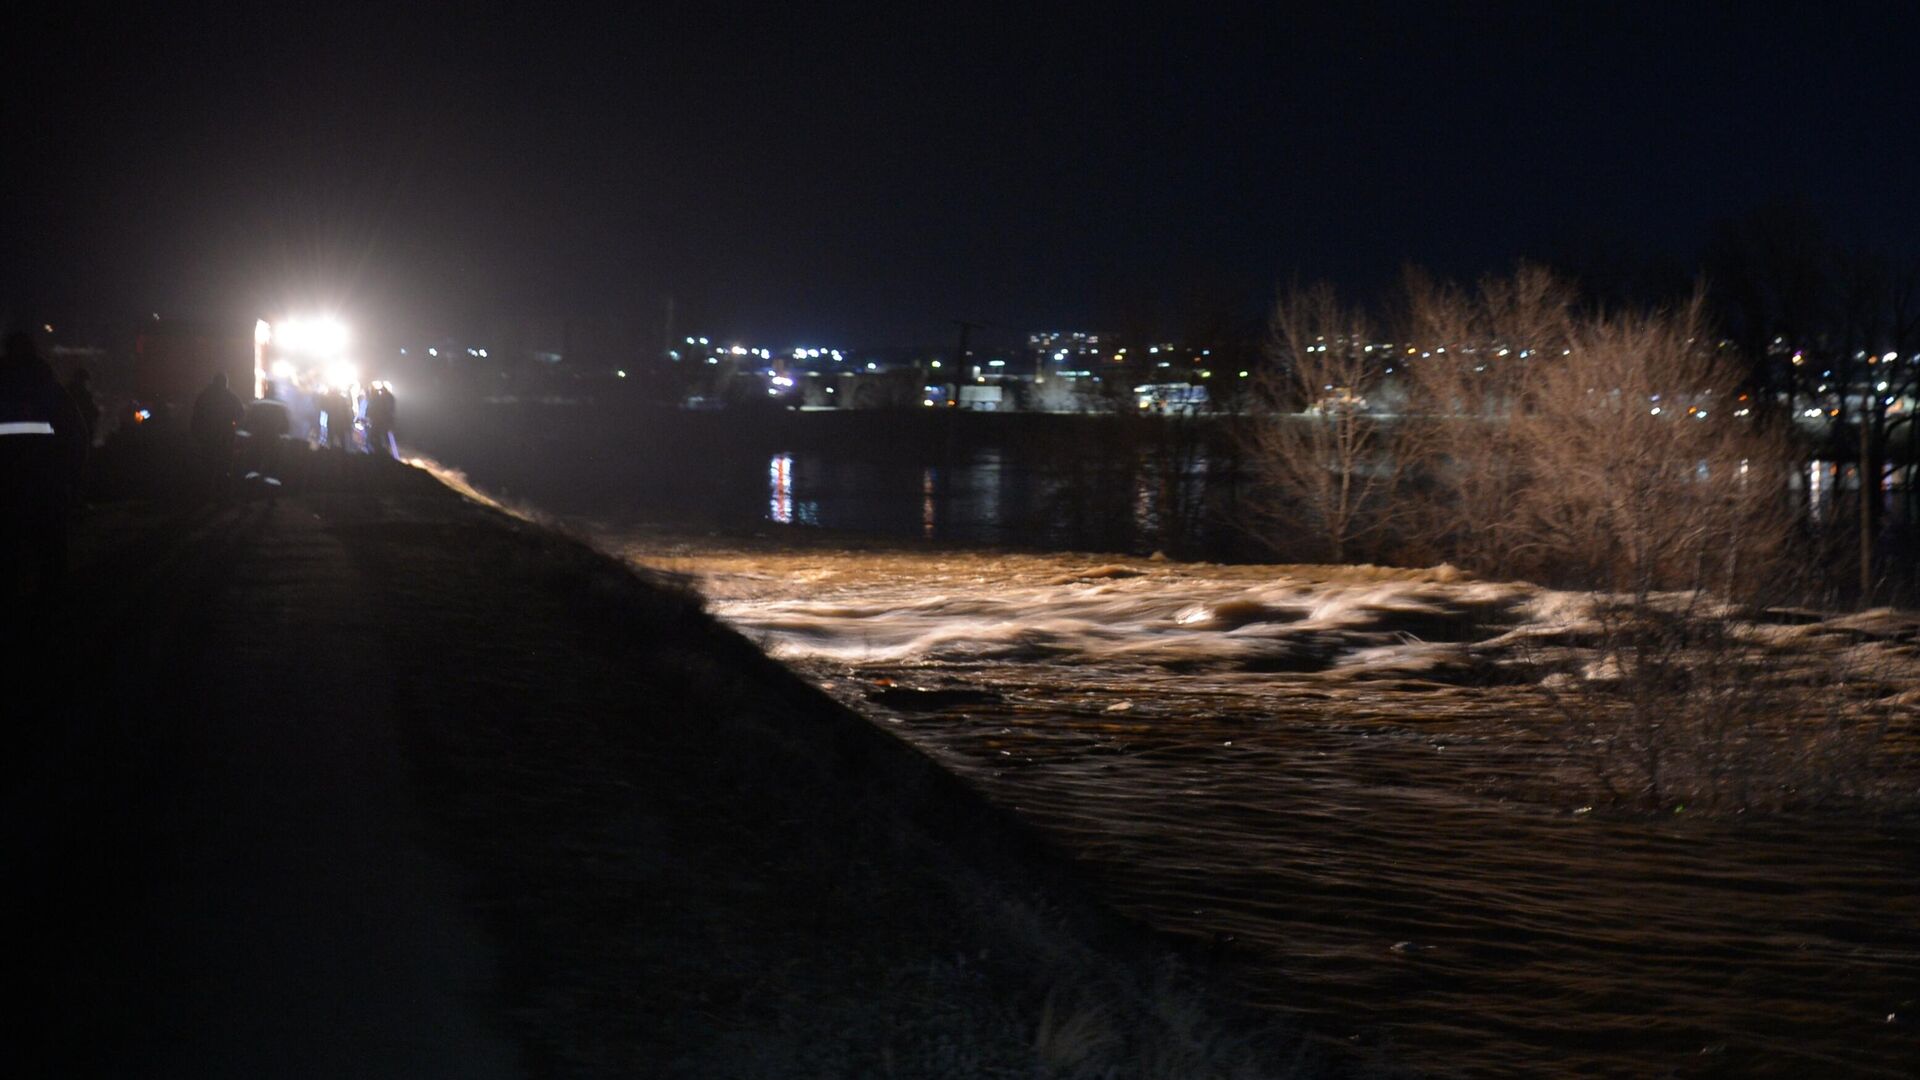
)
(1281, 765)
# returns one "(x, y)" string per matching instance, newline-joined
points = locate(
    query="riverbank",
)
(370, 779)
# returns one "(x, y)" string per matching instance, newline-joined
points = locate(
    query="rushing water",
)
(1343, 780)
(1320, 772)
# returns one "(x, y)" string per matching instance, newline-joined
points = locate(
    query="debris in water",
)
(912, 700)
(1119, 706)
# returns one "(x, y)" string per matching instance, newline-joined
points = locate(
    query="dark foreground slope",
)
(372, 780)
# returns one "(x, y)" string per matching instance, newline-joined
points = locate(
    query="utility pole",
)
(960, 358)
(666, 333)
(953, 405)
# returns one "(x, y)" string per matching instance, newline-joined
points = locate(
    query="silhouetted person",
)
(216, 415)
(43, 442)
(339, 415)
(80, 389)
(381, 411)
(266, 423)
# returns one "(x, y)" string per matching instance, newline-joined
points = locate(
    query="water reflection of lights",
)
(1146, 505)
(927, 487)
(780, 486)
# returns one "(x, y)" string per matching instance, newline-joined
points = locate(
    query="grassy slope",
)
(703, 867)
(690, 862)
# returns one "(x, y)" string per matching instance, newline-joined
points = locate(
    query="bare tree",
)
(1323, 451)
(1467, 363)
(1643, 471)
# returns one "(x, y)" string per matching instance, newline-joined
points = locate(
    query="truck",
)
(173, 360)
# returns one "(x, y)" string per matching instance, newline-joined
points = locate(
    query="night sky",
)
(795, 175)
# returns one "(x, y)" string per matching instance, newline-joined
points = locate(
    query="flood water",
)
(1291, 766)
(1340, 781)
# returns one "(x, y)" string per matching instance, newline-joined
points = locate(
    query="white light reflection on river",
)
(927, 516)
(780, 480)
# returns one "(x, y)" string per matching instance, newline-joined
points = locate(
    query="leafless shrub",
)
(1468, 362)
(1673, 708)
(1611, 451)
(1323, 451)
(1513, 434)
(1642, 472)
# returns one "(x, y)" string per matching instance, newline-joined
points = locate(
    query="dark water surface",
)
(1274, 764)
(1290, 767)
(1057, 482)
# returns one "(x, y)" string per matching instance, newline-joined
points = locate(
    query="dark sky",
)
(797, 174)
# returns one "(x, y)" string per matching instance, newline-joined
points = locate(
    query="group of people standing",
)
(48, 429)
(220, 421)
